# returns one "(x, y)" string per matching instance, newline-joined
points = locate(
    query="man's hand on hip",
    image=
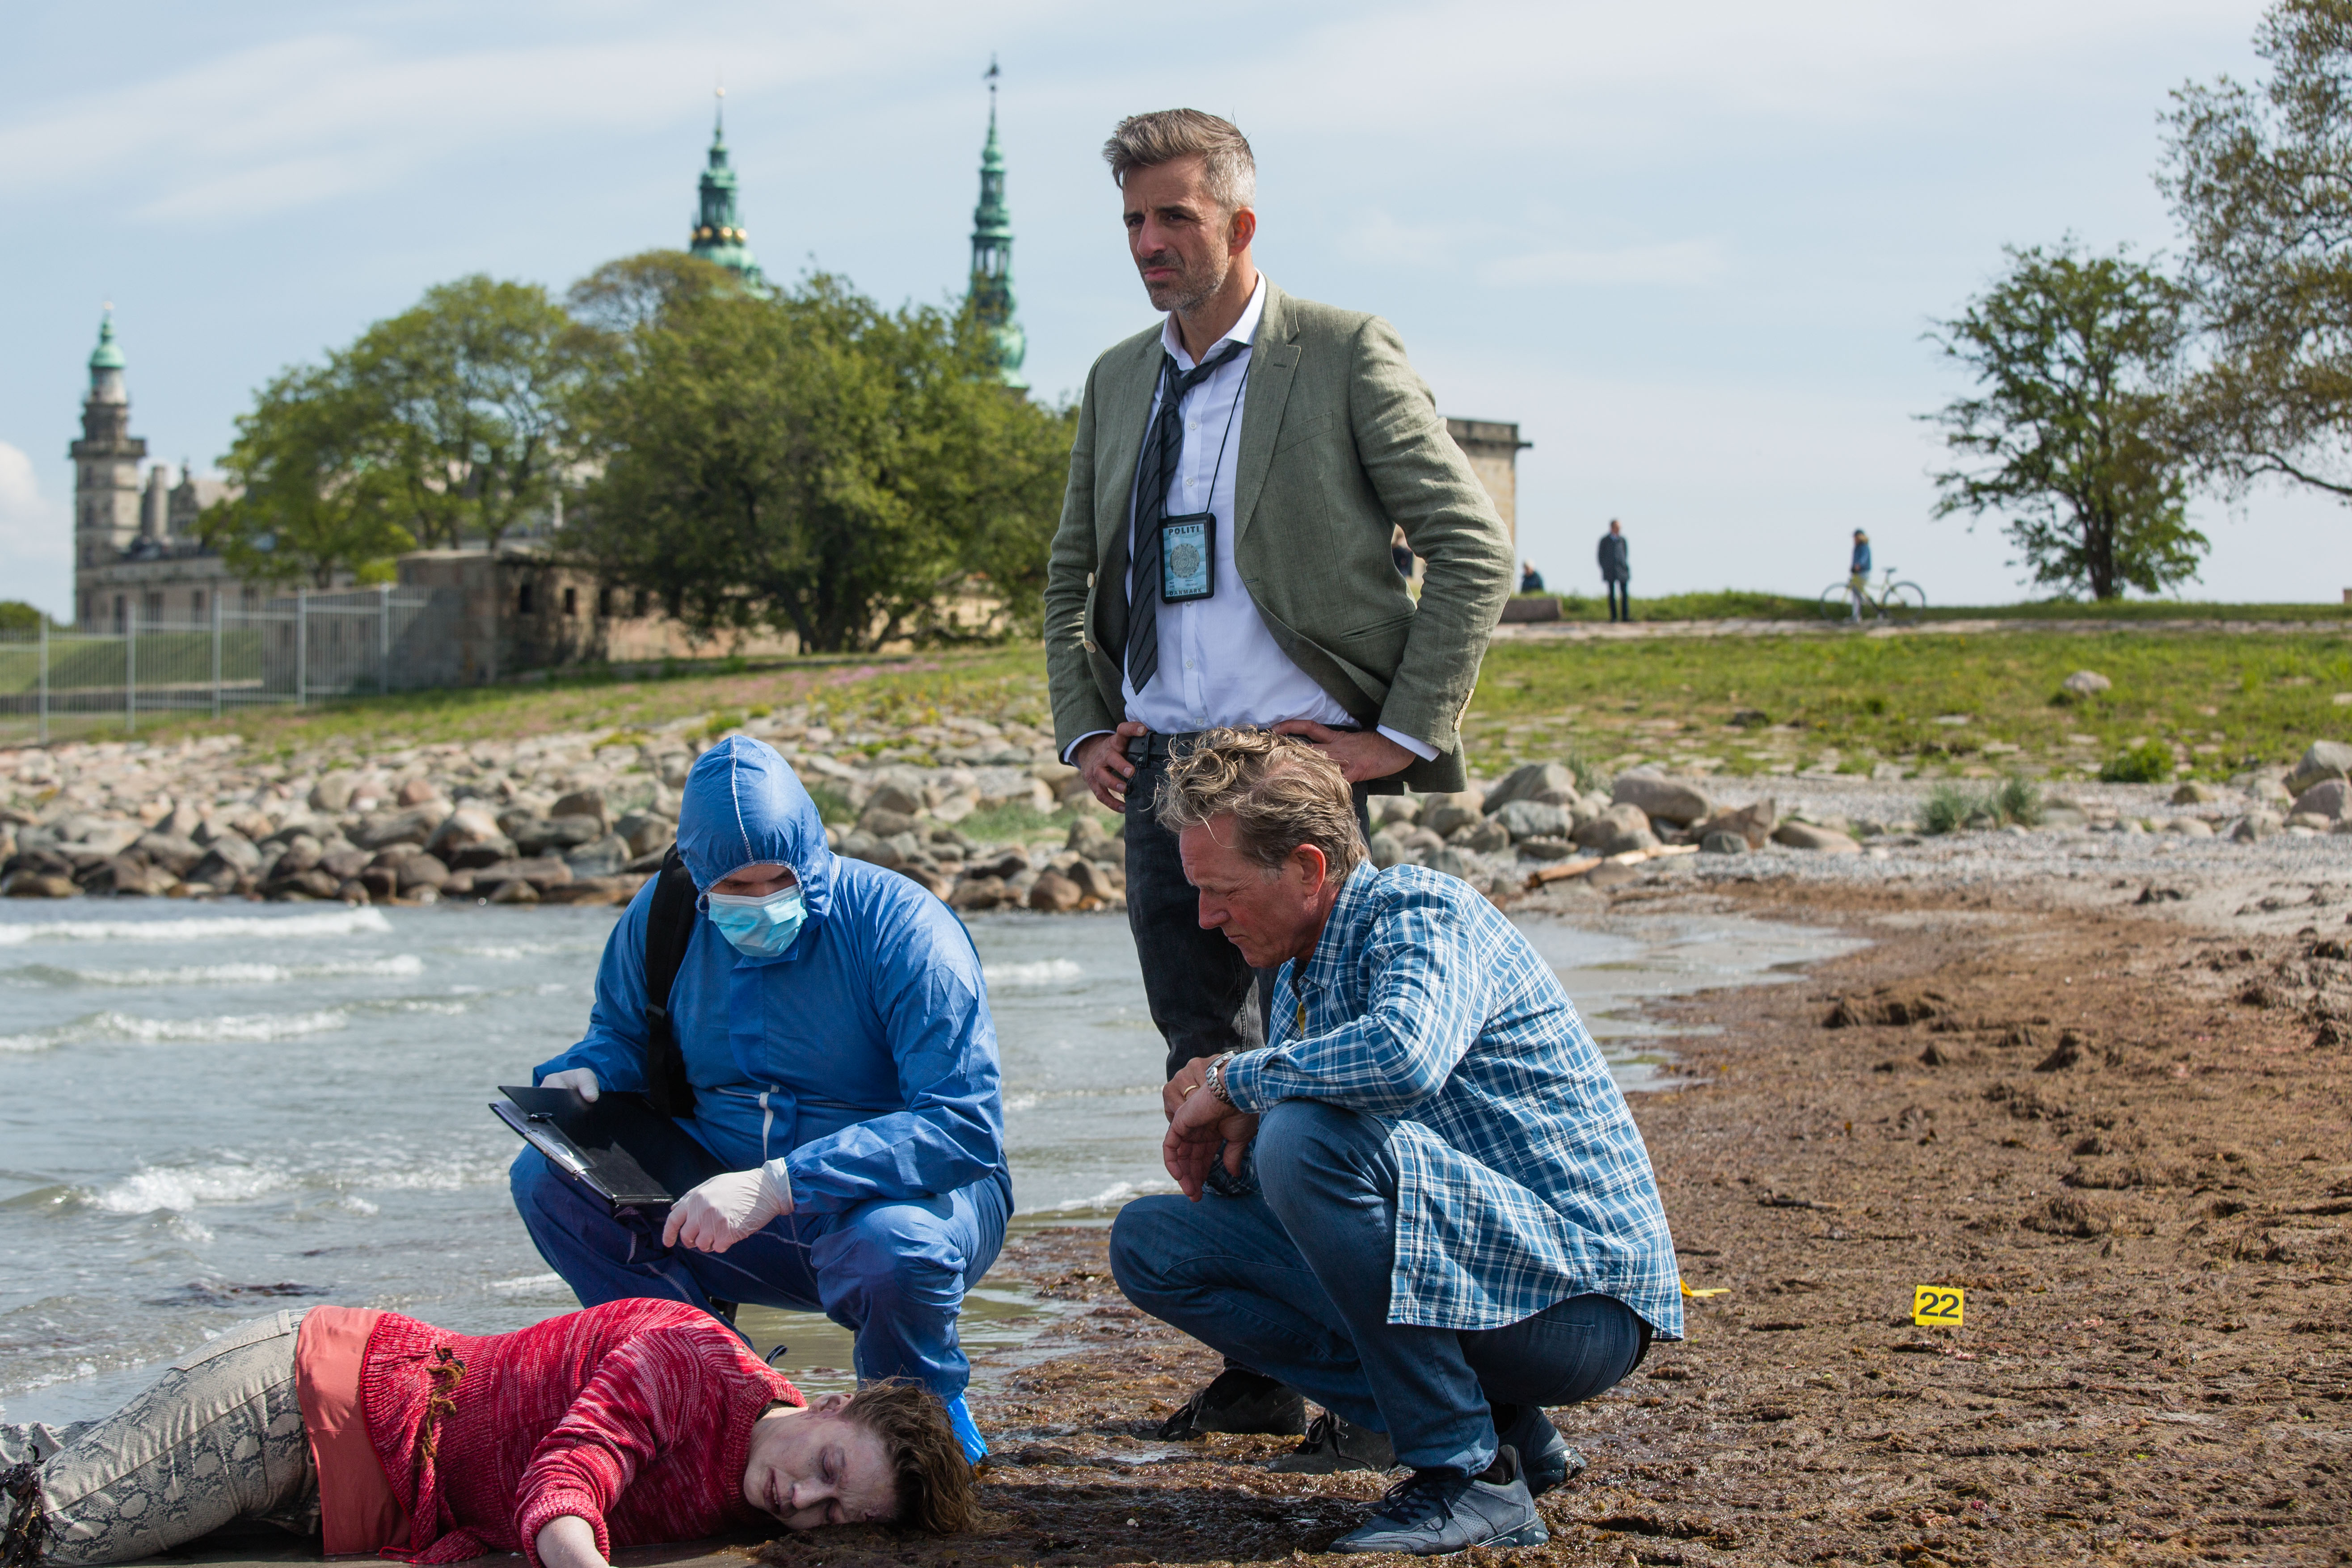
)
(1360, 753)
(724, 1210)
(1102, 761)
(1197, 1122)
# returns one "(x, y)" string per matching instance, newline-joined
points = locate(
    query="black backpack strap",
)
(669, 923)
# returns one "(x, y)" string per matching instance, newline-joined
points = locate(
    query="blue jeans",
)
(1294, 1281)
(893, 1271)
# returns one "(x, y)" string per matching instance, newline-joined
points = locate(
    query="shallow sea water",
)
(208, 1112)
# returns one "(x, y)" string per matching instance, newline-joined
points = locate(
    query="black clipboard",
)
(620, 1148)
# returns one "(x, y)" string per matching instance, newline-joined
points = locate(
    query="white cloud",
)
(1682, 262)
(34, 549)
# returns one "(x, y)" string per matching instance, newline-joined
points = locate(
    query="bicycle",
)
(1897, 603)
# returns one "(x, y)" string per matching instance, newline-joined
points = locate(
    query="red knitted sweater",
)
(637, 1415)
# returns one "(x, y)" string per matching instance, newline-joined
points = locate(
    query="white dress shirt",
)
(1218, 664)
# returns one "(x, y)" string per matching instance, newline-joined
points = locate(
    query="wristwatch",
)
(1213, 1077)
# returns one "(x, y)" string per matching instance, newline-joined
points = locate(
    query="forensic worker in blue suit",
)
(835, 1031)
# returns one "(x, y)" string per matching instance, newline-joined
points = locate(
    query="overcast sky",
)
(1690, 250)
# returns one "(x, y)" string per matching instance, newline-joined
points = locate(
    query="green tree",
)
(311, 494)
(2071, 429)
(2260, 180)
(806, 460)
(469, 396)
(17, 616)
(638, 293)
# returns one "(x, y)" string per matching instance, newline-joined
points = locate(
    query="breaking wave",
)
(400, 966)
(227, 1028)
(335, 922)
(1034, 976)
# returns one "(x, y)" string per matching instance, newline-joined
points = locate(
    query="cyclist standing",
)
(1857, 582)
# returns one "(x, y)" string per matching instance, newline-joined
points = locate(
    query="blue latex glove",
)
(975, 1447)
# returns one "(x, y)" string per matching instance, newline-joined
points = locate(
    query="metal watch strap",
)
(1213, 1078)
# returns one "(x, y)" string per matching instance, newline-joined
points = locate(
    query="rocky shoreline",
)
(983, 814)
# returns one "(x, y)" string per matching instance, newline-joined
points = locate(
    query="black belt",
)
(1153, 746)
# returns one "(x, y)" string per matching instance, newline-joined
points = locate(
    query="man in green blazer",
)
(1223, 559)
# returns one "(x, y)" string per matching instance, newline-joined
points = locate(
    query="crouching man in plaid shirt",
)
(1453, 1222)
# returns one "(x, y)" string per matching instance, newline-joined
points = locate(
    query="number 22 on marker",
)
(1937, 1305)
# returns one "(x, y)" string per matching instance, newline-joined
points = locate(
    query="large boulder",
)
(1753, 822)
(421, 870)
(412, 826)
(1617, 831)
(583, 803)
(1549, 783)
(1055, 893)
(2329, 798)
(469, 829)
(1807, 835)
(1525, 819)
(645, 831)
(604, 857)
(887, 821)
(557, 835)
(2324, 760)
(228, 860)
(2084, 683)
(1442, 814)
(176, 854)
(1677, 801)
(332, 793)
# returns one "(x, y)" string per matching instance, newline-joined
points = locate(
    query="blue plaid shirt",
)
(1523, 1178)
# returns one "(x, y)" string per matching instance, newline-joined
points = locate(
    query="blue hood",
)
(742, 805)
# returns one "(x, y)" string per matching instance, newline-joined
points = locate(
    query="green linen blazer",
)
(1340, 441)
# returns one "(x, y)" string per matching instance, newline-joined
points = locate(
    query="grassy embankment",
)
(1735, 604)
(1978, 703)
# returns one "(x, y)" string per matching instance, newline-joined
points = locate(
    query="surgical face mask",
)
(760, 927)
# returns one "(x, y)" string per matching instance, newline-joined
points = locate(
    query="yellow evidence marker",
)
(1937, 1305)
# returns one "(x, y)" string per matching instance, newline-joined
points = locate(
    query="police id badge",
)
(1188, 557)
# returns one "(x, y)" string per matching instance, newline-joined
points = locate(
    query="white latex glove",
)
(725, 1209)
(582, 1078)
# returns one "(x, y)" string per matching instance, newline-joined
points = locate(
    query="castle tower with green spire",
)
(991, 255)
(105, 460)
(718, 234)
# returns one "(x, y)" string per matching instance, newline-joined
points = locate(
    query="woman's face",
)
(815, 1466)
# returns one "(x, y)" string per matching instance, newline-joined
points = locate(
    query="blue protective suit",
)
(860, 1065)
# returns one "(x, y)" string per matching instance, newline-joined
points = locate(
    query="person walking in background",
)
(1531, 580)
(1857, 571)
(1614, 573)
(1223, 559)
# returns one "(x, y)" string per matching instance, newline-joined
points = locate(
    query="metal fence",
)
(287, 650)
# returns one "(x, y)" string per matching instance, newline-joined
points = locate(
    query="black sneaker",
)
(1239, 1400)
(1334, 1444)
(1433, 1513)
(1545, 1458)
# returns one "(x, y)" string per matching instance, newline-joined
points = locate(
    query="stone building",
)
(137, 555)
(1493, 447)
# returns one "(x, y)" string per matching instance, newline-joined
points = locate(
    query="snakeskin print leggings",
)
(217, 1439)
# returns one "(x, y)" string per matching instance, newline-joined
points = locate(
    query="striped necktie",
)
(1157, 467)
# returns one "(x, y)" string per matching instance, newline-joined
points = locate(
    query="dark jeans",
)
(1197, 983)
(1619, 609)
(1294, 1283)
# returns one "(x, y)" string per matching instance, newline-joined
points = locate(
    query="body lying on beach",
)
(629, 1424)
